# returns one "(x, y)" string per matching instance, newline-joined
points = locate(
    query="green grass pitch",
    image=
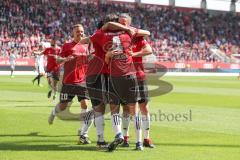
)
(213, 133)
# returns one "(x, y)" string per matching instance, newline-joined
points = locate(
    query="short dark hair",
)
(100, 24)
(111, 18)
(108, 18)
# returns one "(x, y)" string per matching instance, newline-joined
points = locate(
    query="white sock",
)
(88, 120)
(137, 125)
(125, 124)
(146, 125)
(82, 119)
(56, 110)
(116, 123)
(99, 122)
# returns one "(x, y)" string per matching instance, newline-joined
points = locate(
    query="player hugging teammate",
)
(113, 73)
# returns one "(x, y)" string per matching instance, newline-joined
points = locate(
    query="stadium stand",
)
(178, 35)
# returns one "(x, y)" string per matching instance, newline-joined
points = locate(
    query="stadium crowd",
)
(176, 35)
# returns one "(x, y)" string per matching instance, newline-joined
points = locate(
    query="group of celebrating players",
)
(106, 68)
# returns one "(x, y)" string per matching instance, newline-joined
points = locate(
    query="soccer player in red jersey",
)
(97, 86)
(140, 48)
(97, 78)
(123, 70)
(74, 58)
(122, 84)
(97, 81)
(52, 67)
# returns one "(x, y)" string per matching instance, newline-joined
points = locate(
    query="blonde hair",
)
(76, 26)
(126, 15)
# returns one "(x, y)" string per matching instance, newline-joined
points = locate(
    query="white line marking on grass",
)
(200, 74)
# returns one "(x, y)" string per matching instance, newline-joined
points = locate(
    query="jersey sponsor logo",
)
(120, 56)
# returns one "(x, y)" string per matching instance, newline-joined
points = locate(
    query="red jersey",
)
(137, 44)
(120, 65)
(97, 63)
(52, 65)
(75, 69)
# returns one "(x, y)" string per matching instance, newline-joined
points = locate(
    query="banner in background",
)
(198, 65)
(19, 62)
(177, 65)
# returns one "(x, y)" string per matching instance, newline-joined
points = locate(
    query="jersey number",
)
(64, 96)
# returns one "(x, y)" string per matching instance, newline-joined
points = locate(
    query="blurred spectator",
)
(176, 35)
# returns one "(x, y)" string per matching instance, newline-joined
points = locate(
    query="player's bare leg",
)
(54, 87)
(58, 108)
(51, 83)
(49, 80)
(83, 139)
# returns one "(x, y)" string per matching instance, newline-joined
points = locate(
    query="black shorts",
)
(142, 91)
(97, 86)
(123, 90)
(69, 91)
(54, 75)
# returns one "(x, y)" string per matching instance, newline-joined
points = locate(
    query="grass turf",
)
(213, 132)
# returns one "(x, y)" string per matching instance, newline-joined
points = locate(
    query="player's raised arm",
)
(114, 26)
(60, 59)
(147, 50)
(63, 60)
(142, 33)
